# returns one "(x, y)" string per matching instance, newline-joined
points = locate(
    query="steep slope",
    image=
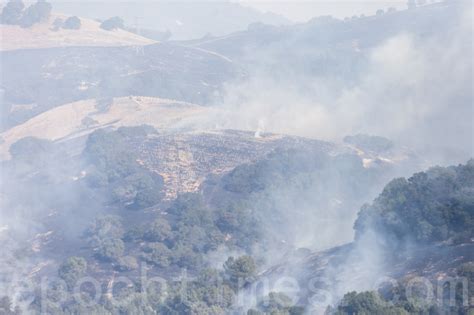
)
(186, 160)
(326, 34)
(418, 231)
(80, 118)
(137, 199)
(76, 73)
(188, 147)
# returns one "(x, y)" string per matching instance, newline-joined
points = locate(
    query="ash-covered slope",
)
(325, 277)
(185, 160)
(78, 73)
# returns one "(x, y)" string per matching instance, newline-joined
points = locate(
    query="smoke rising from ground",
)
(415, 89)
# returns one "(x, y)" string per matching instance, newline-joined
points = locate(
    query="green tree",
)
(430, 207)
(127, 263)
(110, 249)
(240, 271)
(105, 227)
(36, 13)
(112, 24)
(31, 149)
(367, 303)
(158, 231)
(185, 257)
(12, 12)
(275, 302)
(72, 270)
(157, 254)
(72, 23)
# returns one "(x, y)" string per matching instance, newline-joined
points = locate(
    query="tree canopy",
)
(429, 207)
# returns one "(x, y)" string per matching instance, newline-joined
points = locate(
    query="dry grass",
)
(43, 36)
(68, 121)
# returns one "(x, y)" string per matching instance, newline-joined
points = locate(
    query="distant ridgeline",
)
(196, 71)
(16, 13)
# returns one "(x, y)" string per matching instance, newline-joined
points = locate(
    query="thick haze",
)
(195, 19)
(184, 19)
(302, 11)
(408, 79)
(413, 88)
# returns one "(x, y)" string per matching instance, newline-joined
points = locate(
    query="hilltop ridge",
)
(43, 35)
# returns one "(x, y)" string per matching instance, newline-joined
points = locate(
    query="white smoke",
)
(414, 90)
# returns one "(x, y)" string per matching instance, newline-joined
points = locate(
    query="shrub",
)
(157, 254)
(72, 269)
(110, 249)
(109, 153)
(102, 105)
(112, 23)
(127, 263)
(105, 227)
(57, 24)
(113, 166)
(184, 256)
(240, 271)
(88, 122)
(72, 23)
(275, 301)
(36, 13)
(365, 303)
(159, 231)
(31, 149)
(12, 12)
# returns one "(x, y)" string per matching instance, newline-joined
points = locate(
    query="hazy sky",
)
(295, 10)
(300, 11)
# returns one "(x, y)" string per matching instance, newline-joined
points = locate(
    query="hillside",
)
(417, 232)
(322, 34)
(79, 73)
(43, 35)
(80, 118)
(185, 20)
(188, 147)
(203, 190)
(276, 170)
